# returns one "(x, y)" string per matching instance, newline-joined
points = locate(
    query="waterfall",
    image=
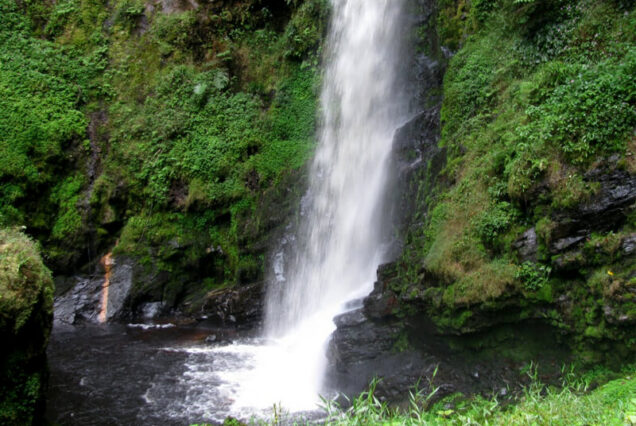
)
(343, 225)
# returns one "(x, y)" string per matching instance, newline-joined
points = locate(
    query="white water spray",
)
(339, 240)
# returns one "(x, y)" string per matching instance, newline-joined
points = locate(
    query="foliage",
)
(42, 89)
(26, 314)
(536, 95)
(571, 403)
(494, 222)
(590, 110)
(25, 283)
(156, 126)
(533, 276)
(305, 29)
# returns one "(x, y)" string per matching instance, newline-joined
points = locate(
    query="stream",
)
(149, 374)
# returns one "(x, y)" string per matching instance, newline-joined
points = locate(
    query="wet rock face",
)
(628, 245)
(527, 245)
(404, 354)
(350, 345)
(605, 212)
(241, 306)
(570, 229)
(361, 349)
(81, 299)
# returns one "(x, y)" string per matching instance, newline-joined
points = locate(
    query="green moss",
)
(537, 94)
(26, 315)
(24, 281)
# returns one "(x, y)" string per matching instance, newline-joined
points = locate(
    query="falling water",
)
(336, 248)
(343, 227)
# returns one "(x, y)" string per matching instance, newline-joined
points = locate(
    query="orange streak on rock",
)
(107, 263)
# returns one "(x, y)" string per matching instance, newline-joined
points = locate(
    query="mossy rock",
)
(26, 316)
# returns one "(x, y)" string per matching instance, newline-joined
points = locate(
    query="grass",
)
(573, 402)
(597, 397)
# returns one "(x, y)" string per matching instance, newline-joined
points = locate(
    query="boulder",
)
(84, 297)
(241, 306)
(526, 245)
(26, 299)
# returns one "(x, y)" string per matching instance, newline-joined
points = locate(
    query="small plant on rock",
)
(533, 276)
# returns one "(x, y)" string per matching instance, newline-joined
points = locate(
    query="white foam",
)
(150, 326)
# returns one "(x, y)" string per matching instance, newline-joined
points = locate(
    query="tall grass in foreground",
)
(572, 403)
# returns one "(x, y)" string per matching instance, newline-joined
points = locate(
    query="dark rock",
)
(417, 159)
(604, 212)
(526, 245)
(565, 243)
(83, 301)
(241, 305)
(381, 302)
(628, 245)
(568, 261)
(361, 349)
(357, 339)
(403, 354)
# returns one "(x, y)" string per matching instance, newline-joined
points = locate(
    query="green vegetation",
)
(176, 135)
(160, 127)
(598, 397)
(42, 86)
(572, 402)
(26, 314)
(538, 96)
(165, 131)
(24, 281)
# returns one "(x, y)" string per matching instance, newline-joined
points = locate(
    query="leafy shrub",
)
(533, 276)
(468, 90)
(304, 32)
(591, 112)
(176, 31)
(42, 126)
(494, 222)
(128, 12)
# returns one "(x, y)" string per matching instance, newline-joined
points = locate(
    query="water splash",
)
(339, 243)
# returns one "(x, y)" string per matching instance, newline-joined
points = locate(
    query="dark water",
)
(128, 375)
